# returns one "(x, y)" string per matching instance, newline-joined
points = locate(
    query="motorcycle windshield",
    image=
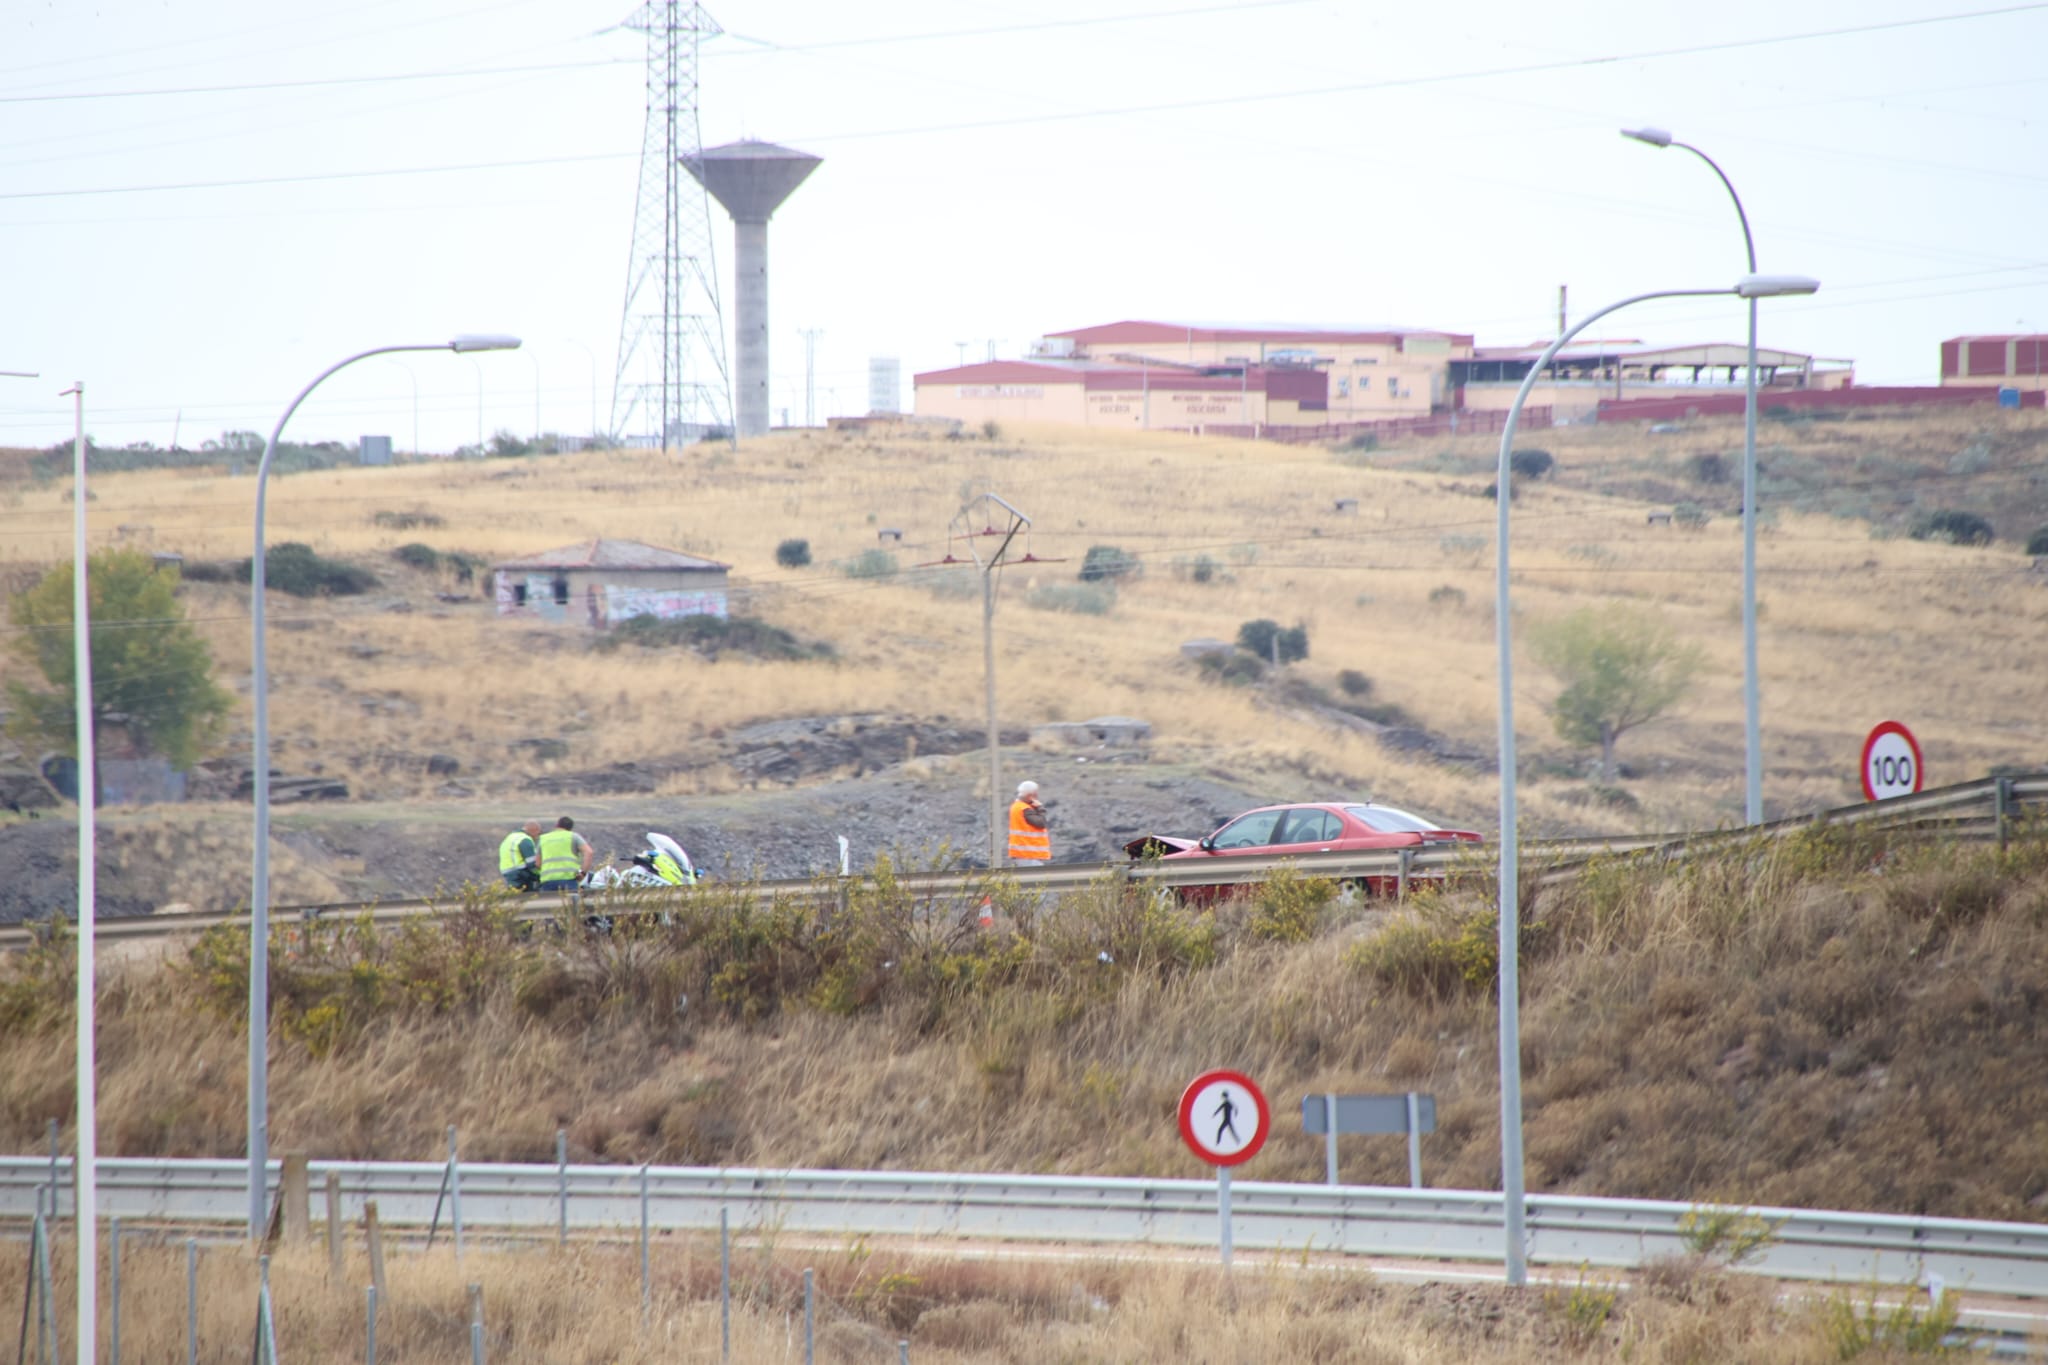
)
(664, 844)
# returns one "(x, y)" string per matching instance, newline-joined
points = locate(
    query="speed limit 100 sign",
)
(1891, 762)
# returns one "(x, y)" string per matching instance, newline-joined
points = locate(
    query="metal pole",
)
(724, 1288)
(810, 1332)
(476, 1324)
(562, 1182)
(1514, 1213)
(1414, 1142)
(1223, 1209)
(1330, 1136)
(370, 1325)
(259, 872)
(56, 1184)
(85, 1166)
(646, 1281)
(995, 753)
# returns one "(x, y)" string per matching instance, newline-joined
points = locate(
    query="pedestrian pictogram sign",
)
(1224, 1118)
(1891, 762)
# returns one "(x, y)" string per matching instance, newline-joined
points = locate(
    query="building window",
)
(1343, 387)
(561, 590)
(1393, 384)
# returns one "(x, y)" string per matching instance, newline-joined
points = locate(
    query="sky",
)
(205, 204)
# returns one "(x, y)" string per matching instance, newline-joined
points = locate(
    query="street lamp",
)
(1752, 728)
(1750, 287)
(259, 877)
(415, 403)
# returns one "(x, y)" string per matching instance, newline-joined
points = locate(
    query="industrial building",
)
(1281, 379)
(2003, 362)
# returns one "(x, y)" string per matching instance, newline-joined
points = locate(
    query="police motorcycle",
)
(663, 864)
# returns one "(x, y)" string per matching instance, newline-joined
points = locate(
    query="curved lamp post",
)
(1750, 287)
(259, 887)
(1752, 726)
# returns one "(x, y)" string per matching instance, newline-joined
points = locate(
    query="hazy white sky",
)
(993, 171)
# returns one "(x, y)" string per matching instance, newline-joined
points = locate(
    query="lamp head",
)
(1774, 286)
(485, 342)
(1656, 137)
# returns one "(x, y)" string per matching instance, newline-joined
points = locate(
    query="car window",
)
(1249, 831)
(1308, 827)
(1387, 820)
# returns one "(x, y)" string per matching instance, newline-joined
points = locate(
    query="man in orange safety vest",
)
(1030, 841)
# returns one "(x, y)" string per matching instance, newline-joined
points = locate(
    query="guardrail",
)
(2006, 1259)
(1984, 810)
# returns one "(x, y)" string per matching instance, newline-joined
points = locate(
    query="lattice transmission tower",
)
(671, 315)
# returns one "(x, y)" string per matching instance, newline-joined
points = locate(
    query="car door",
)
(1307, 830)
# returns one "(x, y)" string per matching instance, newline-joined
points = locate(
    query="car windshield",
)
(1387, 820)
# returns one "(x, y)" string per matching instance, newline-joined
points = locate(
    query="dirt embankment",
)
(199, 855)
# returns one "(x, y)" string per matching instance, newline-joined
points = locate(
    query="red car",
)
(1307, 828)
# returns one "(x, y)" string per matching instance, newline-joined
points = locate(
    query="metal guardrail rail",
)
(1985, 1258)
(1984, 810)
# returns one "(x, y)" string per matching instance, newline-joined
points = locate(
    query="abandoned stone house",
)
(598, 583)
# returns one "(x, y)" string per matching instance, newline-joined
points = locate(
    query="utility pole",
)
(990, 527)
(811, 335)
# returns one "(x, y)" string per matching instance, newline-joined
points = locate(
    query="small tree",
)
(1530, 464)
(1267, 638)
(793, 553)
(148, 664)
(2037, 543)
(1955, 527)
(1621, 668)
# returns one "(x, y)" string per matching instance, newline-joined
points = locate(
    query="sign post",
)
(1891, 762)
(1224, 1120)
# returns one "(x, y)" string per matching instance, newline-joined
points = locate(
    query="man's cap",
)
(1027, 788)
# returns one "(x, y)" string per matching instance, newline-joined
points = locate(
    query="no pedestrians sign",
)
(1224, 1118)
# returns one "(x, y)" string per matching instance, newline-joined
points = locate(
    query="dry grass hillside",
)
(1857, 624)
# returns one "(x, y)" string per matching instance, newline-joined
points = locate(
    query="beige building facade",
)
(599, 583)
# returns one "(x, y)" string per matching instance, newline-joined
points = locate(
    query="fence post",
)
(476, 1324)
(370, 1326)
(191, 1301)
(562, 1182)
(724, 1288)
(375, 1236)
(114, 1289)
(295, 1188)
(334, 1226)
(455, 1192)
(810, 1336)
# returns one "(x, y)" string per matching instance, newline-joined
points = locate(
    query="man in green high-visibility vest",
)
(565, 856)
(519, 857)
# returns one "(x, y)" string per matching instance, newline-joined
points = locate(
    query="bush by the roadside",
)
(1233, 668)
(425, 558)
(1108, 562)
(301, 571)
(710, 636)
(793, 553)
(1269, 640)
(1954, 526)
(2037, 543)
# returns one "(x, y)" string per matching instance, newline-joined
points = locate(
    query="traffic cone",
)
(988, 914)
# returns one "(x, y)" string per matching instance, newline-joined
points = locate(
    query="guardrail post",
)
(370, 1325)
(114, 1289)
(562, 1186)
(646, 1279)
(476, 1324)
(56, 1184)
(455, 1192)
(1414, 1141)
(1330, 1136)
(1401, 887)
(2002, 809)
(374, 1235)
(191, 1301)
(295, 1187)
(724, 1288)
(334, 1226)
(810, 1335)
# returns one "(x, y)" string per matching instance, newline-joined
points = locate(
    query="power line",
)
(391, 78)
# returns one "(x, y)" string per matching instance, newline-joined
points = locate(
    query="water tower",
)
(751, 179)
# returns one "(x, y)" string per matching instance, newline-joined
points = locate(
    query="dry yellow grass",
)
(1854, 629)
(582, 1305)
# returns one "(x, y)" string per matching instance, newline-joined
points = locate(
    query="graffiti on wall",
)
(621, 603)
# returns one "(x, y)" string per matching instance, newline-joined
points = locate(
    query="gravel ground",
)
(384, 850)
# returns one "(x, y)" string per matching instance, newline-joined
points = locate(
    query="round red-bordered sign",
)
(1224, 1117)
(1891, 762)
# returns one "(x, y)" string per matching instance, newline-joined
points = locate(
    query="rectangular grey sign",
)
(1369, 1114)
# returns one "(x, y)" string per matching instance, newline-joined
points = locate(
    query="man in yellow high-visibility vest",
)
(519, 857)
(1030, 837)
(565, 856)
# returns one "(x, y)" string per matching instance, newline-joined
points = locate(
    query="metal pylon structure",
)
(671, 316)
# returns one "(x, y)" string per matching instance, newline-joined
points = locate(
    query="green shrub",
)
(1444, 595)
(1107, 562)
(992, 429)
(1955, 527)
(710, 636)
(872, 563)
(1530, 464)
(1434, 950)
(1082, 599)
(2037, 543)
(1234, 668)
(1263, 637)
(463, 564)
(1354, 684)
(1707, 467)
(38, 986)
(793, 553)
(1287, 906)
(296, 569)
(1201, 569)
(405, 521)
(425, 558)
(214, 571)
(1731, 1236)
(1898, 1328)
